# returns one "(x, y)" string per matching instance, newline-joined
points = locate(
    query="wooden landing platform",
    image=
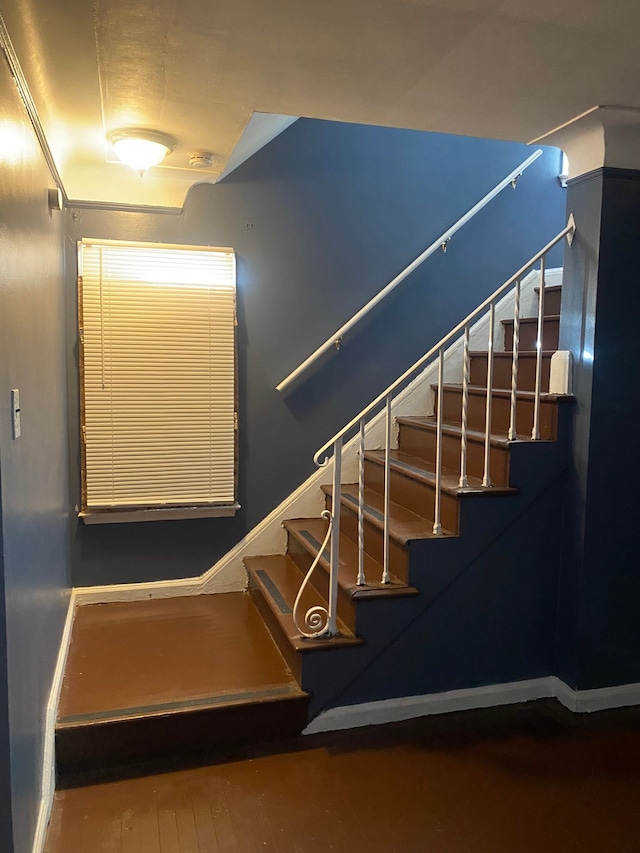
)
(169, 680)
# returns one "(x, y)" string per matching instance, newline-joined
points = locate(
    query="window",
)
(158, 381)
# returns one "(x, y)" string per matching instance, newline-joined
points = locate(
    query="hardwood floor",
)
(524, 779)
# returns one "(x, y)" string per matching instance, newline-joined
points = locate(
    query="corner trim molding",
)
(49, 758)
(123, 207)
(605, 172)
(511, 693)
(30, 106)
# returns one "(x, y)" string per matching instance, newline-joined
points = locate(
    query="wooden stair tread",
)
(529, 320)
(508, 354)
(545, 396)
(404, 524)
(549, 288)
(429, 423)
(279, 580)
(423, 471)
(311, 531)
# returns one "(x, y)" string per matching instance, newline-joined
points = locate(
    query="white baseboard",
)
(597, 699)
(409, 707)
(48, 758)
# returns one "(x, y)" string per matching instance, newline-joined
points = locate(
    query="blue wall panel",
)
(599, 630)
(34, 467)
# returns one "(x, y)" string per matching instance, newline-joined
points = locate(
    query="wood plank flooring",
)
(525, 779)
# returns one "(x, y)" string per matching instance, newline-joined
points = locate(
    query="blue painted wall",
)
(321, 219)
(34, 468)
(6, 826)
(599, 629)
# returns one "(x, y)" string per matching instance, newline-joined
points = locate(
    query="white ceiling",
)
(199, 70)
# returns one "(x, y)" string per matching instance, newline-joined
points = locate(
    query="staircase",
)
(371, 616)
(155, 684)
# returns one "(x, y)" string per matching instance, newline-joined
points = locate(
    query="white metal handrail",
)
(566, 231)
(440, 242)
(386, 397)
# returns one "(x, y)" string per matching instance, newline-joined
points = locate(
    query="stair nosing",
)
(553, 317)
(527, 353)
(206, 703)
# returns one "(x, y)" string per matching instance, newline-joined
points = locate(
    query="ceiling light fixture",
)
(141, 149)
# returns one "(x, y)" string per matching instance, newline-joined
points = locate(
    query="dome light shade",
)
(141, 149)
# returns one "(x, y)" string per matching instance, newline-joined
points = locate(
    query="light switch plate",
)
(15, 412)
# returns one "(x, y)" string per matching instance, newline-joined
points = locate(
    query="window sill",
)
(121, 516)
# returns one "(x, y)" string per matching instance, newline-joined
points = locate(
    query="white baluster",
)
(387, 490)
(361, 578)
(466, 367)
(535, 432)
(316, 619)
(437, 526)
(514, 363)
(335, 538)
(486, 480)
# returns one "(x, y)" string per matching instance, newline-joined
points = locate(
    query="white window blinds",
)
(158, 375)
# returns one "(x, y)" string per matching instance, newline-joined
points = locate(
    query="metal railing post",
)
(335, 538)
(437, 509)
(514, 363)
(361, 578)
(535, 432)
(486, 479)
(387, 490)
(466, 368)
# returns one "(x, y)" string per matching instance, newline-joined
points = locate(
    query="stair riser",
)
(320, 580)
(104, 751)
(500, 413)
(552, 299)
(414, 495)
(502, 372)
(529, 334)
(422, 443)
(292, 658)
(373, 541)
